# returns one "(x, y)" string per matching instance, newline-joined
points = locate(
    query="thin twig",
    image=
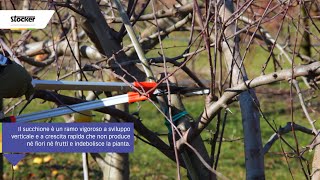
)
(283, 131)
(303, 105)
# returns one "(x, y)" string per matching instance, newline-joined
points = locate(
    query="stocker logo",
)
(25, 19)
(22, 18)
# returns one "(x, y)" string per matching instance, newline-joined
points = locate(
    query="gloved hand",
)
(15, 81)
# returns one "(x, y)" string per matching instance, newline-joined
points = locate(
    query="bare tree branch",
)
(173, 12)
(282, 131)
(214, 107)
(303, 105)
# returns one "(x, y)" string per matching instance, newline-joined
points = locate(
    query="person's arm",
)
(15, 80)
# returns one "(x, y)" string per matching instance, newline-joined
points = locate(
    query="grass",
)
(148, 163)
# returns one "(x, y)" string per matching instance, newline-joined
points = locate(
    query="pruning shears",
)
(152, 88)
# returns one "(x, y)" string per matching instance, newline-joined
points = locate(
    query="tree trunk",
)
(117, 164)
(305, 41)
(183, 124)
(102, 36)
(195, 167)
(316, 162)
(305, 49)
(254, 159)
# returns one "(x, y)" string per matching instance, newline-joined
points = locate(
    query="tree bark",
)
(254, 159)
(117, 164)
(305, 41)
(183, 125)
(316, 162)
(102, 36)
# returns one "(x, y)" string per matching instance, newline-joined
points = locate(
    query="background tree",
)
(97, 41)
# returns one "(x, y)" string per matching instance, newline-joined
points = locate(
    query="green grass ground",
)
(146, 162)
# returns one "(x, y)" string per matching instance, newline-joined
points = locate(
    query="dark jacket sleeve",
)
(15, 81)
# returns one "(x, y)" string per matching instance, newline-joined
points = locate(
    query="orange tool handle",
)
(145, 85)
(135, 97)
